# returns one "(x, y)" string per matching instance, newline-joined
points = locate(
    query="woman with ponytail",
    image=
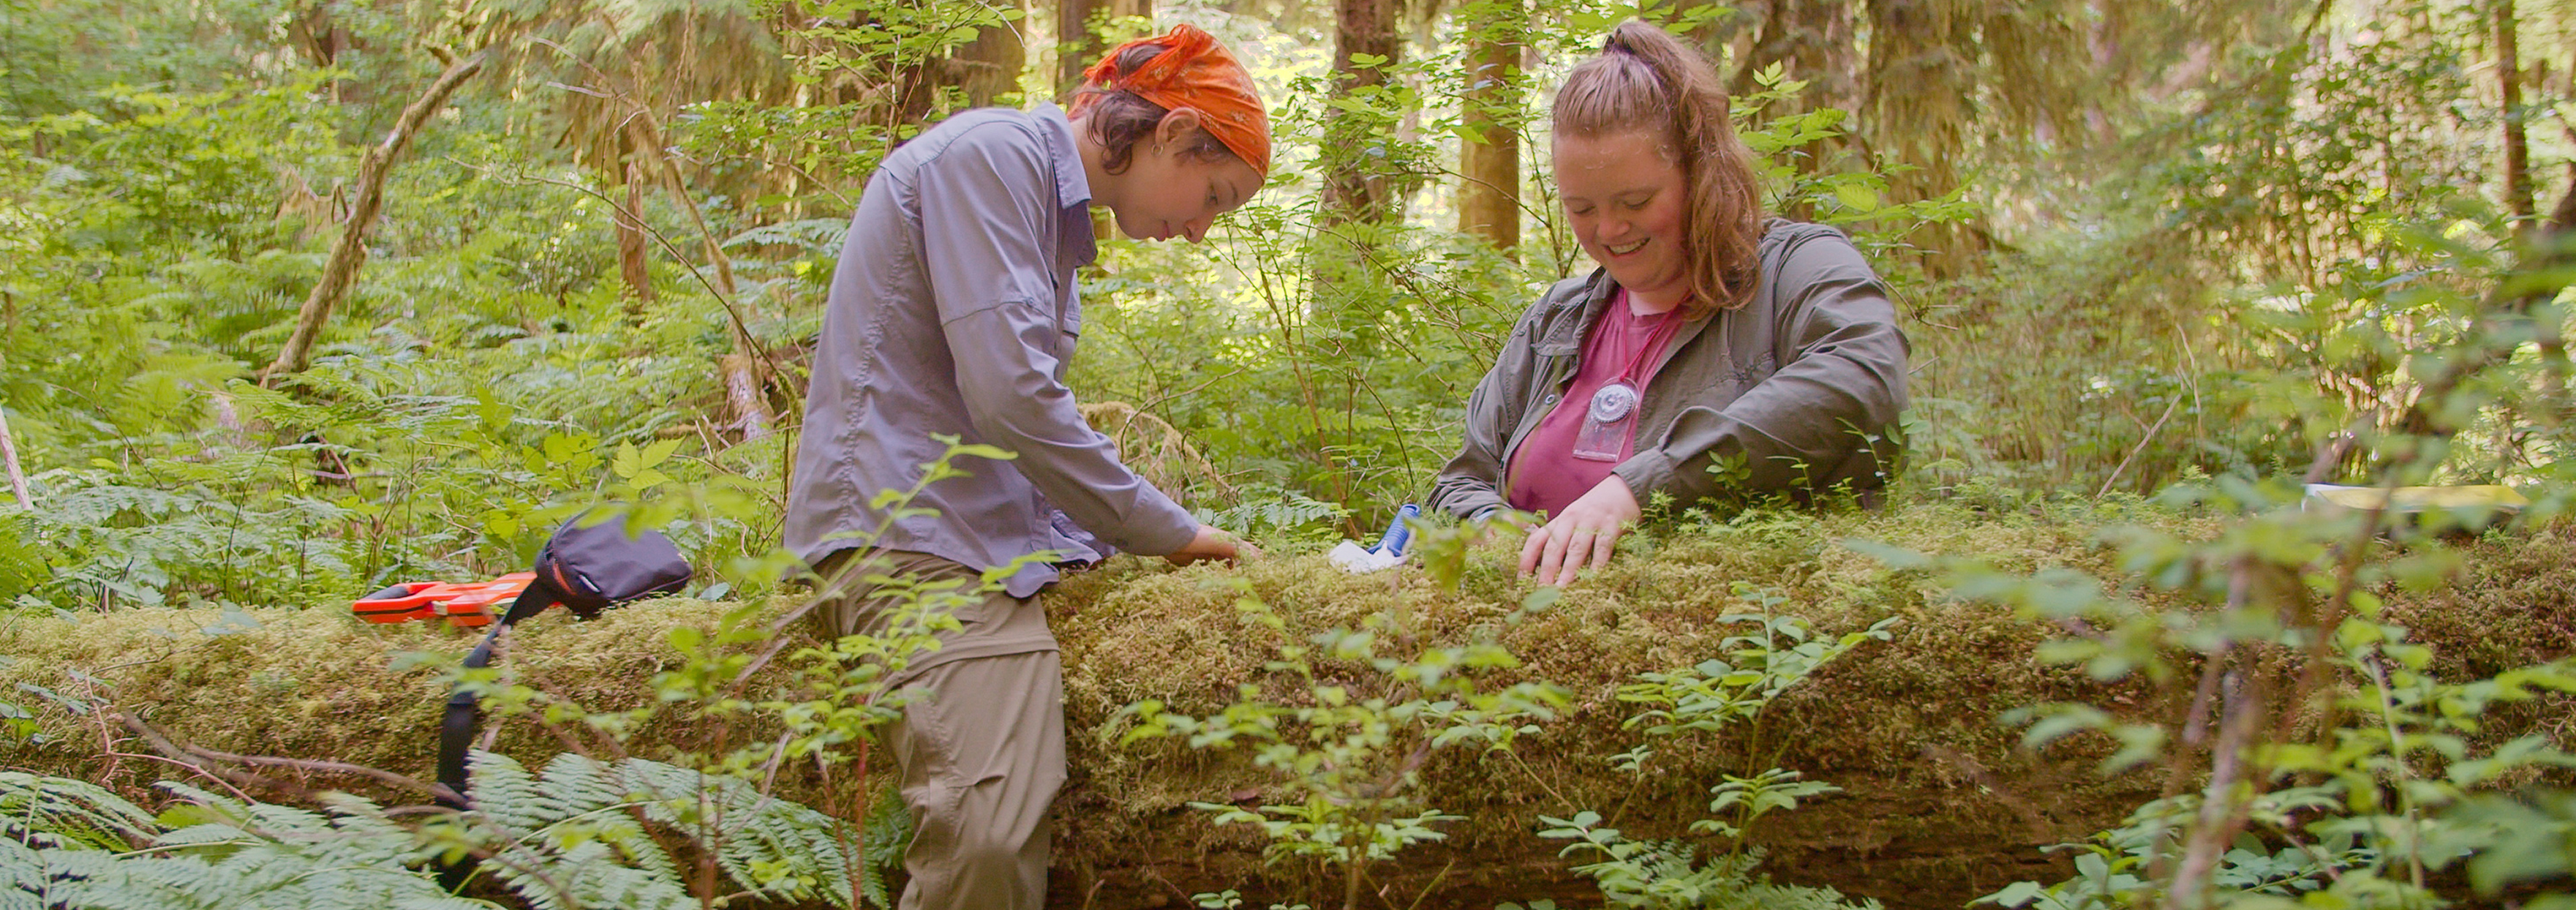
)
(1715, 353)
(951, 317)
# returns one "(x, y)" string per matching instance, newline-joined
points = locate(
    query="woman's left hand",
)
(1585, 532)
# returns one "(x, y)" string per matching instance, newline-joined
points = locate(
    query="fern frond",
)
(599, 801)
(61, 812)
(504, 791)
(205, 835)
(26, 877)
(581, 834)
(889, 834)
(586, 873)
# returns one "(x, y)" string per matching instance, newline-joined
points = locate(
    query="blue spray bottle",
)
(1397, 534)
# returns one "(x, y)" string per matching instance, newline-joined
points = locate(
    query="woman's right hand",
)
(1583, 534)
(1213, 543)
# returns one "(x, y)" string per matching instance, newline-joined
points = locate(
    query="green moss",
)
(1941, 804)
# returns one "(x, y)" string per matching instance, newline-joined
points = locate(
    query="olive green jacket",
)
(1794, 392)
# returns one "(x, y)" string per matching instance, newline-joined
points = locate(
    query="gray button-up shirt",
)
(954, 313)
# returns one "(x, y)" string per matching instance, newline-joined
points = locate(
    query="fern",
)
(575, 835)
(57, 812)
(232, 855)
(580, 835)
(889, 830)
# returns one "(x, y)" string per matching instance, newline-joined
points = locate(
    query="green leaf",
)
(1856, 197)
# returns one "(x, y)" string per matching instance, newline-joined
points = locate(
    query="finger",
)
(1530, 548)
(1553, 556)
(1602, 545)
(1578, 544)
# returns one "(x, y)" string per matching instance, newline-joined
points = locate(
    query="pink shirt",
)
(1544, 475)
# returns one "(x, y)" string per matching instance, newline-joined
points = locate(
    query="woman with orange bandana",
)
(953, 314)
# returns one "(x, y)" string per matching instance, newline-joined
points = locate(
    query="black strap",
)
(464, 715)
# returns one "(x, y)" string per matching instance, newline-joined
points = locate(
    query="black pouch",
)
(587, 569)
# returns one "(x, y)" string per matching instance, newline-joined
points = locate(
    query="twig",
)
(1433, 886)
(2221, 813)
(658, 238)
(199, 769)
(2143, 441)
(350, 252)
(162, 743)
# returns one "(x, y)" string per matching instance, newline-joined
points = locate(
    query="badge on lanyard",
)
(1611, 419)
(1608, 423)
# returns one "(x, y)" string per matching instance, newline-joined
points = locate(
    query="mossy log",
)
(1940, 803)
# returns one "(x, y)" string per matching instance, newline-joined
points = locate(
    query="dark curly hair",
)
(1118, 119)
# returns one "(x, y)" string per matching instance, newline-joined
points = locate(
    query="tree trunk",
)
(744, 370)
(1078, 44)
(634, 264)
(2517, 148)
(351, 251)
(1811, 40)
(1918, 110)
(1355, 189)
(1718, 24)
(1489, 159)
(978, 71)
(1080, 40)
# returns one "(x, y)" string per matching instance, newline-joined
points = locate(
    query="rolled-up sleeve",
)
(1472, 483)
(1823, 417)
(987, 211)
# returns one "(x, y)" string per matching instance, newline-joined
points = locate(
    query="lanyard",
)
(1655, 338)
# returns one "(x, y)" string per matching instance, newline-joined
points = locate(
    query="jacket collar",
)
(1571, 315)
(1571, 318)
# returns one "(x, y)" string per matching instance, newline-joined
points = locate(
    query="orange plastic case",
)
(463, 605)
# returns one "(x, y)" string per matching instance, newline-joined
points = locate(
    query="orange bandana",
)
(1194, 72)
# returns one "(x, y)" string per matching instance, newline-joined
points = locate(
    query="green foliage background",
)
(2137, 246)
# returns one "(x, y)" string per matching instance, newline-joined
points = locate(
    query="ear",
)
(1176, 125)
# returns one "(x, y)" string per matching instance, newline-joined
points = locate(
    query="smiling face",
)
(1175, 186)
(1625, 197)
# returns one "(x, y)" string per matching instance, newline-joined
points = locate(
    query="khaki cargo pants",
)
(981, 752)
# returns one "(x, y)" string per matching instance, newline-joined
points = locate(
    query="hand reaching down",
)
(1583, 534)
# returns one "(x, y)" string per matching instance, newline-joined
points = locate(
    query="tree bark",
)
(634, 264)
(1811, 40)
(350, 252)
(1916, 107)
(2517, 147)
(1079, 40)
(744, 370)
(981, 70)
(1077, 44)
(1489, 159)
(1354, 190)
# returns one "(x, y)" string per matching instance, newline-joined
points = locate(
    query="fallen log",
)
(1940, 803)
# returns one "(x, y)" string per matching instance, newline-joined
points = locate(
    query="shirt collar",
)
(1566, 336)
(1072, 185)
